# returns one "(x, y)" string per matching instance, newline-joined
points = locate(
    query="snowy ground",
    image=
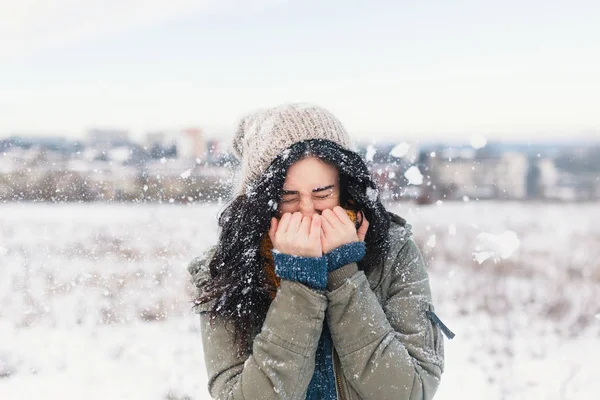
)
(94, 299)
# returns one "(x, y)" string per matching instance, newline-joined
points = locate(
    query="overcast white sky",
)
(409, 69)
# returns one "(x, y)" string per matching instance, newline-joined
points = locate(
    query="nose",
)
(307, 208)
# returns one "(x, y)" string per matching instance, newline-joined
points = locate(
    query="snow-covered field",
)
(94, 299)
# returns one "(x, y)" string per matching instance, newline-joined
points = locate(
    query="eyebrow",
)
(315, 190)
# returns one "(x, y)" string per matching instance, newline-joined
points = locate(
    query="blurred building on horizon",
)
(178, 164)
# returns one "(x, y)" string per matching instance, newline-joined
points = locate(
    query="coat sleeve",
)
(388, 349)
(282, 361)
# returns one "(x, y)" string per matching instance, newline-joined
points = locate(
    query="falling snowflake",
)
(273, 204)
(372, 194)
(478, 142)
(400, 150)
(414, 176)
(370, 153)
(496, 247)
(285, 154)
(431, 241)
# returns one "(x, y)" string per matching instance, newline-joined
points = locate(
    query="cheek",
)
(334, 202)
(285, 208)
(328, 204)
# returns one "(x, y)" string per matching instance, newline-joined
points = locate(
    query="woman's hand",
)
(338, 229)
(297, 235)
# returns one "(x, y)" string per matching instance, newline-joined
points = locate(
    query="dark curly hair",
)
(238, 286)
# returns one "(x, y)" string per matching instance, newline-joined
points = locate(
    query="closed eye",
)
(322, 189)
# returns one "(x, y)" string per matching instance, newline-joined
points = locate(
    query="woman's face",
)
(310, 187)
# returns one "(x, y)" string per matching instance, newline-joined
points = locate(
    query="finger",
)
(323, 239)
(284, 222)
(330, 216)
(362, 229)
(360, 216)
(342, 215)
(273, 229)
(334, 221)
(326, 226)
(305, 226)
(315, 229)
(294, 222)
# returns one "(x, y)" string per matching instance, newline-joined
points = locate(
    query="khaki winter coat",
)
(386, 347)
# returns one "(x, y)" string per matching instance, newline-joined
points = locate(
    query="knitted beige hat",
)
(264, 134)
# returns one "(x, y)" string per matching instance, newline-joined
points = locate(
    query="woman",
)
(314, 290)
